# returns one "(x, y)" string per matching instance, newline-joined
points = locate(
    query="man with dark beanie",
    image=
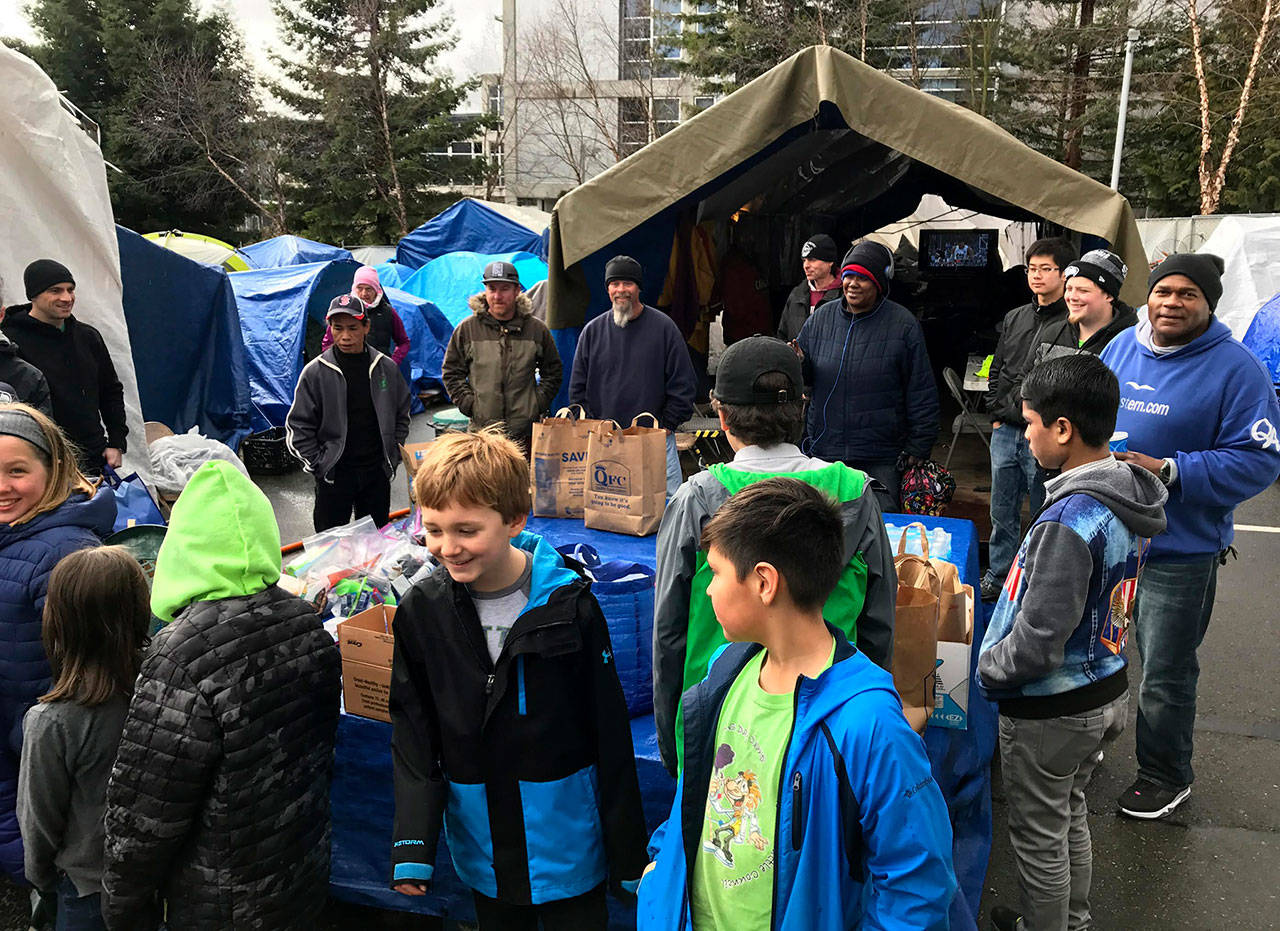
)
(1201, 414)
(873, 403)
(633, 359)
(818, 256)
(1095, 313)
(86, 394)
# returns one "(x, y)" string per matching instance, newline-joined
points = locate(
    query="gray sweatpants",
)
(1046, 766)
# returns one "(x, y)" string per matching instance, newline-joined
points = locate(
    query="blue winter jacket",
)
(869, 840)
(872, 393)
(28, 553)
(1209, 406)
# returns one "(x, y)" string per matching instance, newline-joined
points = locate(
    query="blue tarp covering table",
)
(362, 795)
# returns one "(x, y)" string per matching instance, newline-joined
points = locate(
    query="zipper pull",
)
(797, 824)
(488, 684)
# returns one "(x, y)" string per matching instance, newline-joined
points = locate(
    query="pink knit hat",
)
(367, 274)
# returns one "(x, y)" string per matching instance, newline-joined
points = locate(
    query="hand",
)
(113, 456)
(795, 347)
(912, 461)
(996, 425)
(1152, 465)
(758, 841)
(410, 888)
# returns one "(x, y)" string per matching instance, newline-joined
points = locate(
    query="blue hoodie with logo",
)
(1210, 406)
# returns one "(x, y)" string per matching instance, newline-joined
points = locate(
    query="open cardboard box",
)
(411, 455)
(951, 678)
(366, 642)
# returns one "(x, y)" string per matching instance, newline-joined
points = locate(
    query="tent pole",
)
(1124, 108)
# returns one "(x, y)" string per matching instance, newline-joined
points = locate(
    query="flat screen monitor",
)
(958, 250)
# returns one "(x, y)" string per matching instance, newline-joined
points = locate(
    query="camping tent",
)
(275, 306)
(1250, 305)
(200, 248)
(54, 203)
(185, 334)
(824, 138)
(473, 226)
(450, 280)
(373, 255)
(291, 250)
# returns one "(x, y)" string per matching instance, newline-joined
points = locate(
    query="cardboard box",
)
(366, 643)
(951, 677)
(366, 690)
(411, 455)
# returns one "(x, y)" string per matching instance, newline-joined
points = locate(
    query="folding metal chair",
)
(967, 417)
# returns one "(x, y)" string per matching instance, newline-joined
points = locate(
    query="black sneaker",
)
(1149, 801)
(1003, 918)
(990, 590)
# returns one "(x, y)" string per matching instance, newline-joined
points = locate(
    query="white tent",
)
(1250, 246)
(54, 204)
(934, 213)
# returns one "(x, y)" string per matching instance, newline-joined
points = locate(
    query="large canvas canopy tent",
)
(820, 139)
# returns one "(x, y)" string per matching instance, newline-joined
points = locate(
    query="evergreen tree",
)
(108, 57)
(374, 116)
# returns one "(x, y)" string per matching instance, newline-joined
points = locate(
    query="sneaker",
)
(990, 590)
(1149, 801)
(1003, 918)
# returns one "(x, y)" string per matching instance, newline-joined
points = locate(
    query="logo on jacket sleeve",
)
(1265, 433)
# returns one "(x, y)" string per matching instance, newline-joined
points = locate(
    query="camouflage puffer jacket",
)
(219, 799)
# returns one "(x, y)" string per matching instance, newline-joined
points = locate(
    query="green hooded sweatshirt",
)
(223, 542)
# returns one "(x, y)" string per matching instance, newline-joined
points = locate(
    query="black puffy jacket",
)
(219, 798)
(1015, 355)
(797, 309)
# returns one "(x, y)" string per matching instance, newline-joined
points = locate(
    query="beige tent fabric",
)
(932, 131)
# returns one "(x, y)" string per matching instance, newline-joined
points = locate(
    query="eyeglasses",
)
(1041, 269)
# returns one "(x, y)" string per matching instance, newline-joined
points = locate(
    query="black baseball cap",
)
(746, 360)
(495, 272)
(347, 304)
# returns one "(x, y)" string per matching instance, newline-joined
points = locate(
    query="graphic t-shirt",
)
(498, 610)
(733, 870)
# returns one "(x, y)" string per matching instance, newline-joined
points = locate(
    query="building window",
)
(649, 47)
(633, 124)
(495, 99)
(666, 115)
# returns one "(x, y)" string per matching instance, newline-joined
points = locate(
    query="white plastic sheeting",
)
(1250, 246)
(934, 213)
(54, 204)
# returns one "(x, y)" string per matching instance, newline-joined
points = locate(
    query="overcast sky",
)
(479, 47)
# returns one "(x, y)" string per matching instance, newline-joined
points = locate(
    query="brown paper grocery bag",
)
(915, 636)
(558, 451)
(626, 489)
(953, 611)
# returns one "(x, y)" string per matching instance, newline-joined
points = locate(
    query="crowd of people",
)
(183, 778)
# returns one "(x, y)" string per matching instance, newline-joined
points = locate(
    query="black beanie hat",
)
(821, 247)
(1204, 268)
(43, 274)
(623, 268)
(869, 259)
(1105, 269)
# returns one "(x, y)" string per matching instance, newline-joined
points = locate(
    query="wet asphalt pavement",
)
(1214, 864)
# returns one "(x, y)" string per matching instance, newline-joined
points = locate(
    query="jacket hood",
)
(1130, 492)
(548, 571)
(7, 346)
(480, 307)
(1124, 317)
(97, 514)
(223, 542)
(1217, 332)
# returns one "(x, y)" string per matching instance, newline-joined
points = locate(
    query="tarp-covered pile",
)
(291, 250)
(474, 226)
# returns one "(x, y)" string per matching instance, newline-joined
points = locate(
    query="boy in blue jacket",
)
(1053, 656)
(806, 802)
(508, 720)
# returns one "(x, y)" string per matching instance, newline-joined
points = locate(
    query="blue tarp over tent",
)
(467, 226)
(291, 250)
(450, 280)
(184, 331)
(274, 305)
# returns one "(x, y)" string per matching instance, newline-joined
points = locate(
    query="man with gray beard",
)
(633, 360)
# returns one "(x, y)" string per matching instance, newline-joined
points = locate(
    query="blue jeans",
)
(674, 474)
(77, 913)
(1171, 615)
(1013, 474)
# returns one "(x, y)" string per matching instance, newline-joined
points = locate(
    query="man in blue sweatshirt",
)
(1201, 414)
(633, 360)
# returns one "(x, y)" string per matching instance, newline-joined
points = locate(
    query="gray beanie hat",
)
(1104, 268)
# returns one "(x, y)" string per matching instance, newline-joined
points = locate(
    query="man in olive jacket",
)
(502, 364)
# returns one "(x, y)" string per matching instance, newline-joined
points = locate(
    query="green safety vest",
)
(705, 636)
